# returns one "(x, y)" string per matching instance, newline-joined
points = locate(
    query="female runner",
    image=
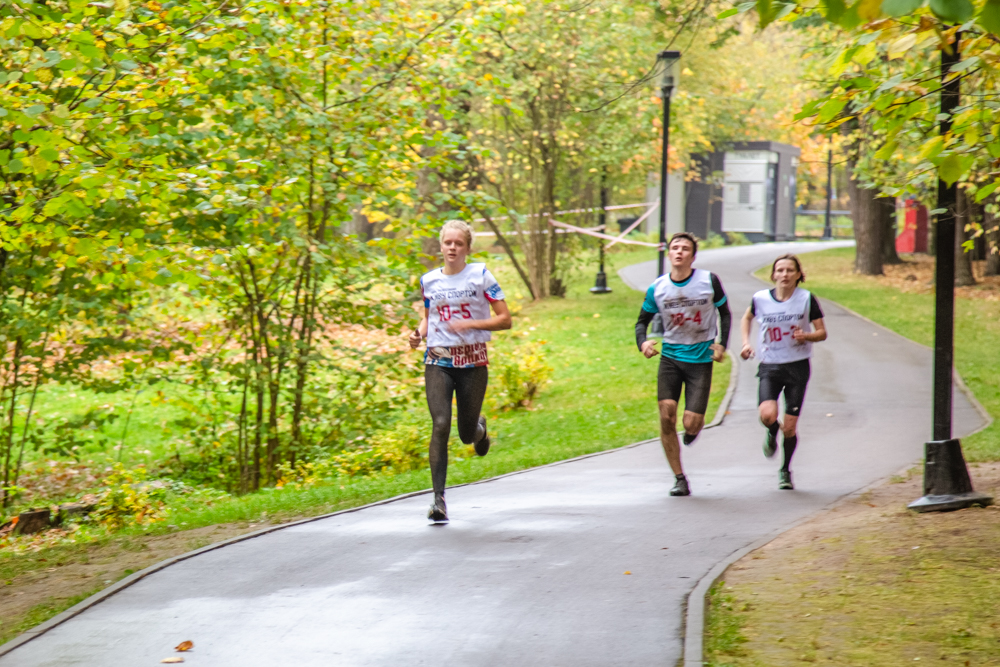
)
(456, 324)
(790, 321)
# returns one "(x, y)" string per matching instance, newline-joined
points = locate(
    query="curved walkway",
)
(533, 569)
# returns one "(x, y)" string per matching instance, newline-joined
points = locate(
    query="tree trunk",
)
(963, 259)
(887, 209)
(867, 233)
(556, 286)
(991, 223)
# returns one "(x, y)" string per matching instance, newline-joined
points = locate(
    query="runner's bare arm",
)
(818, 334)
(420, 332)
(747, 350)
(499, 322)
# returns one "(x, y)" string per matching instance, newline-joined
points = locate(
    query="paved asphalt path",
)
(532, 568)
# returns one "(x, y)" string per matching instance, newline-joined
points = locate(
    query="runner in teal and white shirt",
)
(693, 308)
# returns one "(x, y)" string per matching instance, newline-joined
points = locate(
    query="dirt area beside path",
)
(30, 596)
(868, 583)
(916, 275)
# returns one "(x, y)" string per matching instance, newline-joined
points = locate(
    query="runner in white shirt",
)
(790, 321)
(456, 324)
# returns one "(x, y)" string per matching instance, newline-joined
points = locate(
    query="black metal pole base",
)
(947, 485)
(601, 284)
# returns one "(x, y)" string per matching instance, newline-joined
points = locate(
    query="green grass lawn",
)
(977, 330)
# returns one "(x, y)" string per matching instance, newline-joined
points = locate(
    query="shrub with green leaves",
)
(518, 372)
(398, 449)
(129, 499)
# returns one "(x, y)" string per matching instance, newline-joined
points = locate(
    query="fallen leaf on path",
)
(628, 571)
(184, 646)
(172, 659)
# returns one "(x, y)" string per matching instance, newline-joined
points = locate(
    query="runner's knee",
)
(441, 425)
(468, 434)
(768, 414)
(693, 422)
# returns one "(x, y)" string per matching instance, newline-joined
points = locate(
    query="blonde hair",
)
(460, 226)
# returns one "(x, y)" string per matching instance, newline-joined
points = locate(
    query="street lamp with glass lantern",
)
(668, 60)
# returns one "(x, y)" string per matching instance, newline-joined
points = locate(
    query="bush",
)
(724, 239)
(129, 499)
(520, 369)
(399, 449)
(713, 241)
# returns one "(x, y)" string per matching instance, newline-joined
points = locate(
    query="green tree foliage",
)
(210, 198)
(217, 150)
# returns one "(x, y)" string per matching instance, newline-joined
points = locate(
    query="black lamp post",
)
(601, 284)
(827, 228)
(947, 485)
(669, 59)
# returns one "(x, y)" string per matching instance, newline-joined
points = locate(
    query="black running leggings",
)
(468, 385)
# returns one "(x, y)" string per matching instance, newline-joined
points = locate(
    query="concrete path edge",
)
(694, 617)
(103, 595)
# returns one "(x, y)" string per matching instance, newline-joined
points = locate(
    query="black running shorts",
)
(696, 378)
(791, 378)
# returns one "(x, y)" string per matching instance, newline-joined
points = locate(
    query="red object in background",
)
(914, 235)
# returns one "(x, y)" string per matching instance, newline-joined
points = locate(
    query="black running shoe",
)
(681, 487)
(770, 443)
(438, 513)
(689, 439)
(785, 480)
(483, 446)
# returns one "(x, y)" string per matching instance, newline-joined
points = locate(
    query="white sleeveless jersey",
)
(688, 311)
(466, 295)
(777, 320)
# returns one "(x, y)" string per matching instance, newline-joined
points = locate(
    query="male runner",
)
(686, 300)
